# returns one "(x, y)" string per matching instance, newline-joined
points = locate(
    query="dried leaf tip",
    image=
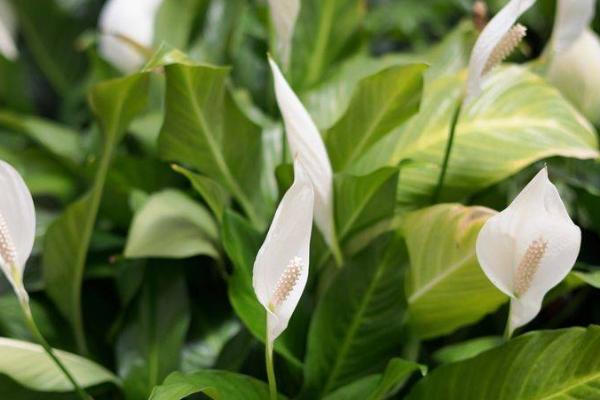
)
(505, 47)
(529, 265)
(8, 252)
(287, 281)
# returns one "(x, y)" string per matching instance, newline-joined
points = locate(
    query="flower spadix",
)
(127, 29)
(306, 144)
(8, 27)
(283, 16)
(496, 42)
(17, 226)
(528, 248)
(281, 265)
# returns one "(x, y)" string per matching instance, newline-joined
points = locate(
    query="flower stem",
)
(25, 306)
(270, 370)
(507, 331)
(451, 134)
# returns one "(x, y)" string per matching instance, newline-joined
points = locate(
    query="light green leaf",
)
(115, 103)
(364, 200)
(149, 347)
(218, 385)
(241, 242)
(213, 193)
(467, 349)
(380, 103)
(445, 287)
(174, 22)
(358, 323)
(323, 29)
(204, 129)
(518, 120)
(29, 365)
(558, 365)
(172, 225)
(592, 278)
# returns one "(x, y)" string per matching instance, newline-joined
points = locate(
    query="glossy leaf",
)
(518, 119)
(560, 364)
(352, 336)
(67, 240)
(445, 287)
(172, 225)
(212, 383)
(380, 103)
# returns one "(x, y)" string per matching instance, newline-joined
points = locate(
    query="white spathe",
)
(284, 14)
(307, 145)
(529, 248)
(489, 38)
(572, 19)
(131, 19)
(18, 214)
(287, 241)
(8, 29)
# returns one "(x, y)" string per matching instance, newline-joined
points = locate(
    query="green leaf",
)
(51, 34)
(241, 242)
(380, 103)
(592, 278)
(560, 364)
(149, 347)
(518, 120)
(115, 103)
(364, 200)
(172, 225)
(445, 286)
(174, 22)
(218, 385)
(204, 129)
(358, 323)
(467, 349)
(29, 365)
(322, 31)
(60, 140)
(214, 194)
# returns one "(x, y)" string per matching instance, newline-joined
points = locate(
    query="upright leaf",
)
(518, 120)
(204, 129)
(115, 103)
(357, 325)
(558, 365)
(445, 287)
(380, 103)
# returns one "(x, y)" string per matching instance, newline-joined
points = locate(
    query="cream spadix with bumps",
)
(127, 27)
(17, 226)
(281, 266)
(528, 248)
(496, 42)
(306, 144)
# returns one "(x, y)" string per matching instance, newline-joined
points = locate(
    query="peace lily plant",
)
(127, 32)
(529, 248)
(281, 266)
(17, 234)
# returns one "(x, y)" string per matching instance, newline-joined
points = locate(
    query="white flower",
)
(284, 14)
(8, 27)
(17, 226)
(495, 43)
(125, 25)
(281, 266)
(572, 18)
(306, 144)
(528, 248)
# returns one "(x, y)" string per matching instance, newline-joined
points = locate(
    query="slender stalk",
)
(507, 333)
(270, 370)
(42, 341)
(451, 134)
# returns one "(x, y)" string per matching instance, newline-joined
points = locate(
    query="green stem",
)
(507, 332)
(40, 339)
(270, 370)
(442, 176)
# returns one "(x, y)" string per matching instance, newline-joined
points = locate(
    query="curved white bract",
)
(283, 15)
(8, 28)
(572, 19)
